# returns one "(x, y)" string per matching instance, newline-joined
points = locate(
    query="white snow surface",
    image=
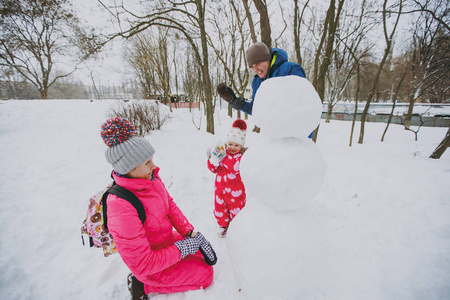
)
(383, 207)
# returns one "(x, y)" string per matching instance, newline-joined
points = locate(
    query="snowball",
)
(287, 106)
(283, 173)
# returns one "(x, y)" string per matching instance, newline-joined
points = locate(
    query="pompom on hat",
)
(238, 132)
(125, 151)
(257, 53)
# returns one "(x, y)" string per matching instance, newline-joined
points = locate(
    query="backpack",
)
(95, 225)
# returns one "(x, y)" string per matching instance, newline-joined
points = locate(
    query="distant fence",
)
(185, 104)
(433, 115)
(434, 121)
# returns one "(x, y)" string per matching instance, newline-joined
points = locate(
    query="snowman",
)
(276, 245)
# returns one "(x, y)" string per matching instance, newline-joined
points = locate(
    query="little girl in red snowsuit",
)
(229, 194)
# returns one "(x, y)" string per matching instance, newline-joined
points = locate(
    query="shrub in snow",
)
(146, 115)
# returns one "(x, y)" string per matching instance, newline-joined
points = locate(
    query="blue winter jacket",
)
(281, 67)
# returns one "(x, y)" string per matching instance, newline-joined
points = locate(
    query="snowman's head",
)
(287, 106)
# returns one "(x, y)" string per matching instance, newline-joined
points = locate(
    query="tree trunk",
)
(358, 84)
(331, 21)
(380, 67)
(372, 91)
(44, 94)
(410, 112)
(97, 94)
(437, 153)
(296, 33)
(264, 22)
(207, 88)
(320, 86)
(394, 100)
(297, 20)
(329, 111)
(250, 21)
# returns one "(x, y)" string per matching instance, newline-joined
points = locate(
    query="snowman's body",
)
(276, 245)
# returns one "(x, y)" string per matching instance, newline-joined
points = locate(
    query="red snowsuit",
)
(229, 194)
(148, 249)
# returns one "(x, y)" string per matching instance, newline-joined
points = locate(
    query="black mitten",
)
(237, 103)
(207, 251)
(225, 92)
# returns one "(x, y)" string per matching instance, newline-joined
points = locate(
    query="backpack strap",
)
(123, 193)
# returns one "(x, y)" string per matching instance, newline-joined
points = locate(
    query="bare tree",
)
(430, 60)
(187, 18)
(191, 80)
(325, 49)
(149, 57)
(231, 37)
(264, 22)
(439, 10)
(298, 19)
(34, 36)
(395, 94)
(440, 149)
(251, 25)
(388, 38)
(326, 46)
(358, 81)
(347, 54)
(340, 73)
(140, 57)
(14, 86)
(352, 37)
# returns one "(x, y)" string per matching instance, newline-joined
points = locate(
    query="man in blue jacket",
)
(266, 64)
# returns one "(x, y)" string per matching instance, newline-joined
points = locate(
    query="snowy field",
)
(383, 207)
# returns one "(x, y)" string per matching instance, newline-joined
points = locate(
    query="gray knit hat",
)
(257, 53)
(125, 151)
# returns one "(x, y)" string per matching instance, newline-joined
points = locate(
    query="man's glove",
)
(237, 103)
(228, 95)
(217, 154)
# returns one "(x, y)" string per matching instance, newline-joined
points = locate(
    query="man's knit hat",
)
(237, 132)
(125, 151)
(257, 53)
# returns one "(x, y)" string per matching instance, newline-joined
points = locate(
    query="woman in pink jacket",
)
(229, 193)
(162, 260)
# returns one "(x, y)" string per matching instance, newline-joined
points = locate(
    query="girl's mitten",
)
(217, 154)
(188, 246)
(206, 249)
(208, 253)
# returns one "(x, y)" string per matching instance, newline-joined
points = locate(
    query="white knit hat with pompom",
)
(238, 132)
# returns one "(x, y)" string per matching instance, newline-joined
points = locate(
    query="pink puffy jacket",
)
(148, 249)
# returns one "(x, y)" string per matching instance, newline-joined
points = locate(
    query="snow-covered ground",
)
(384, 206)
